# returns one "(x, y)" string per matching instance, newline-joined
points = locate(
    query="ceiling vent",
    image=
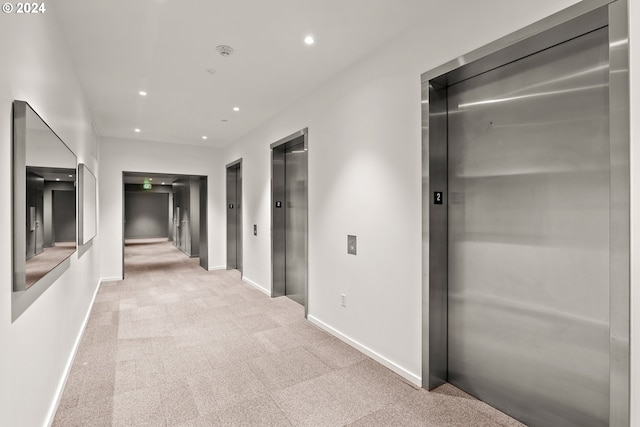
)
(224, 50)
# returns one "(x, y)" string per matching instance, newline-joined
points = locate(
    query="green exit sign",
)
(146, 184)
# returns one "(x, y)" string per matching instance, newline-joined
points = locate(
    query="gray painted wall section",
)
(64, 215)
(146, 215)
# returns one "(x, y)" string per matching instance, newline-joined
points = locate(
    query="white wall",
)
(365, 177)
(118, 155)
(35, 348)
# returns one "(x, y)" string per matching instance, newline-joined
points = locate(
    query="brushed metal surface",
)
(278, 218)
(295, 222)
(204, 223)
(528, 273)
(438, 218)
(289, 220)
(234, 216)
(352, 244)
(426, 235)
(620, 215)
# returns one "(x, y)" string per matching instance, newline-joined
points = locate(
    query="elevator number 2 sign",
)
(437, 197)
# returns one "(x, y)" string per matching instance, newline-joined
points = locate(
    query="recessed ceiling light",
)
(70, 176)
(150, 179)
(136, 130)
(236, 108)
(163, 183)
(142, 93)
(57, 179)
(309, 40)
(204, 136)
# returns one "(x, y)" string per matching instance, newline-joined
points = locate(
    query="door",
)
(528, 273)
(234, 216)
(295, 222)
(289, 217)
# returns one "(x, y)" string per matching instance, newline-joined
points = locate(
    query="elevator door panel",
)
(295, 222)
(528, 266)
(234, 218)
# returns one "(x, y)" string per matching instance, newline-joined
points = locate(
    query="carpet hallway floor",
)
(175, 345)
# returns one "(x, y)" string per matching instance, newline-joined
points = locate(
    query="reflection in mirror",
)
(44, 184)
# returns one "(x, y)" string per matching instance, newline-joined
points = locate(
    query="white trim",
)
(258, 287)
(217, 267)
(109, 279)
(412, 378)
(67, 369)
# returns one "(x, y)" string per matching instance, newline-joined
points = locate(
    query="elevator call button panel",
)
(230, 205)
(351, 244)
(278, 204)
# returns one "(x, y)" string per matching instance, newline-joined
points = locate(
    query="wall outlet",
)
(343, 300)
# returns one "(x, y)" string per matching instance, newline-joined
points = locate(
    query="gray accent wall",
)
(64, 215)
(146, 215)
(61, 215)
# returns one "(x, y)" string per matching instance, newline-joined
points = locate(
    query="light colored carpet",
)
(174, 345)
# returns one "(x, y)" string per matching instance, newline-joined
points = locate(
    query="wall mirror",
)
(44, 199)
(86, 205)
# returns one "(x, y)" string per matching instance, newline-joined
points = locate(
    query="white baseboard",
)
(67, 369)
(218, 267)
(412, 378)
(110, 279)
(255, 285)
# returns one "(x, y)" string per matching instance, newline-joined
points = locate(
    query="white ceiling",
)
(120, 47)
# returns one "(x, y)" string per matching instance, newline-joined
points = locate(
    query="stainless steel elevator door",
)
(234, 219)
(528, 294)
(295, 222)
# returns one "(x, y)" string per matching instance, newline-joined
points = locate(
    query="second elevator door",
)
(234, 217)
(295, 222)
(529, 235)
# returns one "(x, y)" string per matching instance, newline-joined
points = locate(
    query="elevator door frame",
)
(278, 284)
(562, 26)
(237, 201)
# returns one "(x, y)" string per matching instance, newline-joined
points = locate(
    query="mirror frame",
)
(23, 296)
(87, 205)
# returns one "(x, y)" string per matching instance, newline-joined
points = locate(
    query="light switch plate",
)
(352, 244)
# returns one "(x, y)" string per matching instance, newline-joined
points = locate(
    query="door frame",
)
(203, 212)
(277, 288)
(239, 223)
(527, 41)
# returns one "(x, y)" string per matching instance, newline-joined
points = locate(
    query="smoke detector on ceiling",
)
(224, 50)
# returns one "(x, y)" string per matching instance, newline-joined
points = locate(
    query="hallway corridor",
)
(175, 345)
